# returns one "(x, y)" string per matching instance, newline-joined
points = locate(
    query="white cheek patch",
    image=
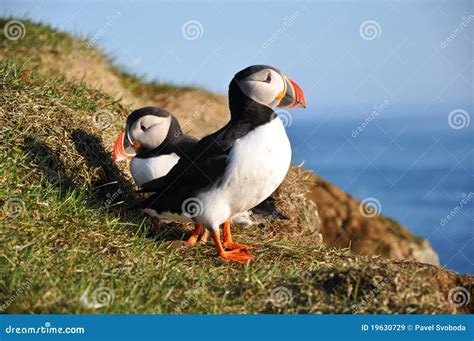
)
(156, 133)
(262, 92)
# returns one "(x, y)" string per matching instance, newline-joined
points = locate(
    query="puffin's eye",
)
(142, 127)
(269, 78)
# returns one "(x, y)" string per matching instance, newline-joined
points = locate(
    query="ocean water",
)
(417, 168)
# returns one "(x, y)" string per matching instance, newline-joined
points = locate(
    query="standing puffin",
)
(154, 142)
(238, 166)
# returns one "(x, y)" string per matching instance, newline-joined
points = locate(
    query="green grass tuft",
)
(70, 246)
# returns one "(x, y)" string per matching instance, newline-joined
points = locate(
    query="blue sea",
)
(418, 167)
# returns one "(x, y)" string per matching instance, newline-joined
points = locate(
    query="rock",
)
(343, 225)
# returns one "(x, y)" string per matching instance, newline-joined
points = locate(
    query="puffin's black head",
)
(266, 86)
(146, 129)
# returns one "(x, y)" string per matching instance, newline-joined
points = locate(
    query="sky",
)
(344, 54)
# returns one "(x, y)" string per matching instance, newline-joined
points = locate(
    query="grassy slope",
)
(52, 53)
(55, 54)
(67, 239)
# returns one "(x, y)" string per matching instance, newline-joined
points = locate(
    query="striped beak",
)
(293, 97)
(123, 149)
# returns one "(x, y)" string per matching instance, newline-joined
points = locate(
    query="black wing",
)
(204, 164)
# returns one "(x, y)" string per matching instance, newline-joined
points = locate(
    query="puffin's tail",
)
(267, 208)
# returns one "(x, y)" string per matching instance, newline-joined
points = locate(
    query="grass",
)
(69, 246)
(53, 54)
(51, 48)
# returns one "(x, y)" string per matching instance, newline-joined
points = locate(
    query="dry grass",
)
(71, 235)
(292, 200)
(57, 55)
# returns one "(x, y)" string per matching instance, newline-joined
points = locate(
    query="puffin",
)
(154, 142)
(236, 167)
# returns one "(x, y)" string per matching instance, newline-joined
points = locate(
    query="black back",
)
(204, 164)
(207, 160)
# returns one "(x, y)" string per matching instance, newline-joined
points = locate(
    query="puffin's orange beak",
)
(294, 96)
(120, 148)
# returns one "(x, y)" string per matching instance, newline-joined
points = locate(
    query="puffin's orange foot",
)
(204, 236)
(194, 237)
(236, 246)
(228, 243)
(192, 240)
(239, 256)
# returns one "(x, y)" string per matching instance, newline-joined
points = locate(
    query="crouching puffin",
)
(154, 142)
(238, 166)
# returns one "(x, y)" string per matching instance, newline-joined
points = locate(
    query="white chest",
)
(259, 163)
(144, 170)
